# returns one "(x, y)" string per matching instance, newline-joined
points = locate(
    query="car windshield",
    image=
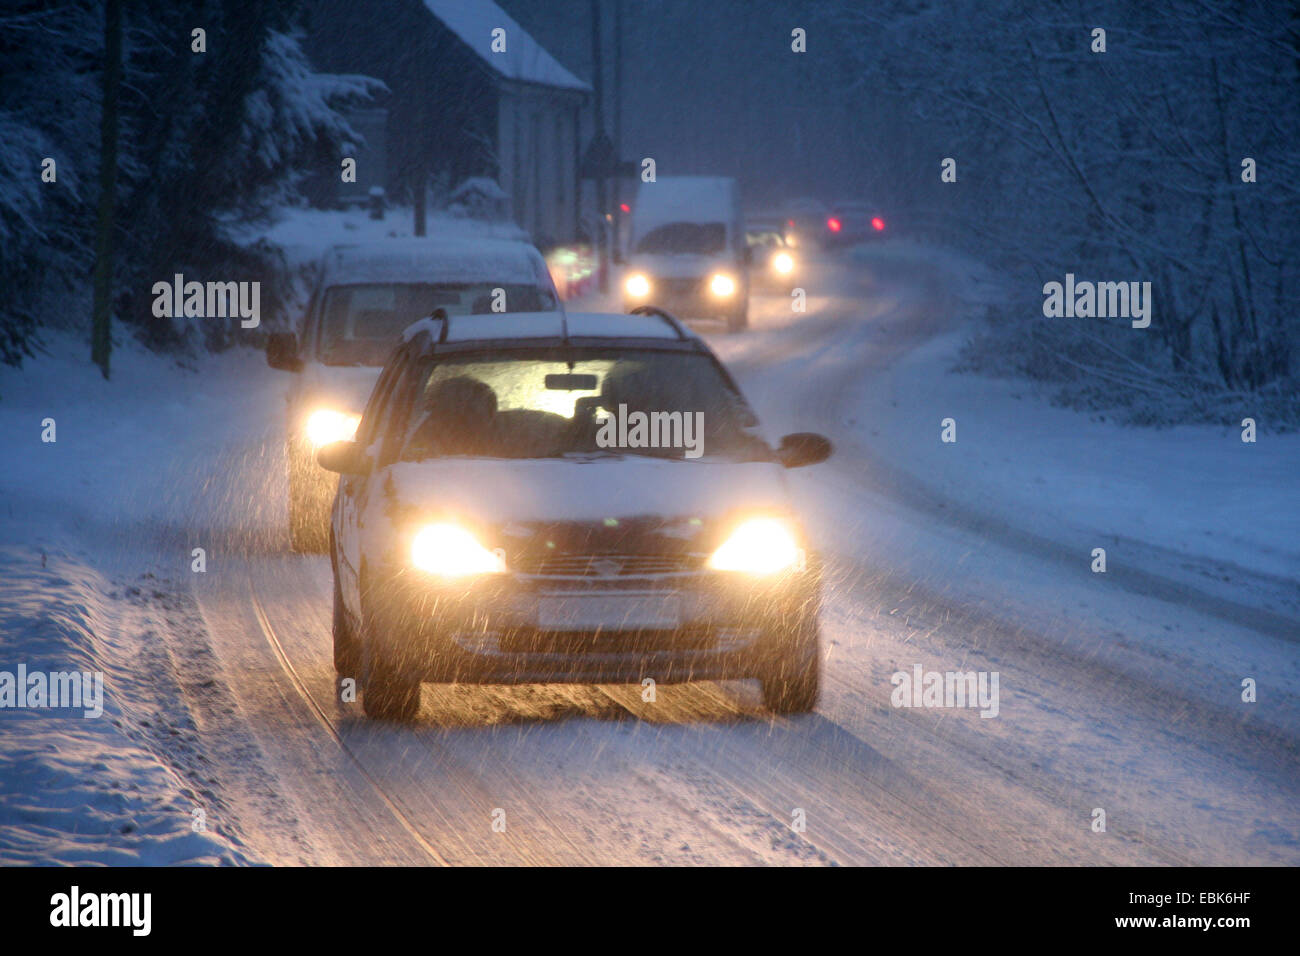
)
(768, 237)
(685, 238)
(580, 403)
(361, 323)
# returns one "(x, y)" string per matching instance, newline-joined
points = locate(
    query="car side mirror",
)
(344, 458)
(803, 448)
(282, 352)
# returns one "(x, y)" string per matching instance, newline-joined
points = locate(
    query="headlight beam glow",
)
(637, 285)
(325, 425)
(722, 285)
(450, 551)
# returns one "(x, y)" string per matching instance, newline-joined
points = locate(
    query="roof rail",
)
(668, 317)
(441, 313)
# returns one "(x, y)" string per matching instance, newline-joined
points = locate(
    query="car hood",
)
(680, 267)
(588, 490)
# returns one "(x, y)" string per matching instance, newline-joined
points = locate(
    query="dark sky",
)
(715, 88)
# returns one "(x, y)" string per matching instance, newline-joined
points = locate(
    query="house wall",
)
(441, 119)
(449, 117)
(537, 162)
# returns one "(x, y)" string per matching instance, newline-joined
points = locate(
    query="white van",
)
(687, 251)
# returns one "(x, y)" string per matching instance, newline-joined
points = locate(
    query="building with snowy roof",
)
(470, 95)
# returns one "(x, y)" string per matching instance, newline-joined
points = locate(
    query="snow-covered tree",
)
(205, 138)
(1122, 164)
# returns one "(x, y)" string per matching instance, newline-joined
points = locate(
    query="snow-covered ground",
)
(107, 789)
(1120, 690)
(1199, 490)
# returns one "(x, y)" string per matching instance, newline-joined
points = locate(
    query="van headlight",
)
(325, 425)
(637, 285)
(783, 263)
(759, 546)
(722, 285)
(450, 551)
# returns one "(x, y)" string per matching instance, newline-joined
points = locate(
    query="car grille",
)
(679, 287)
(607, 565)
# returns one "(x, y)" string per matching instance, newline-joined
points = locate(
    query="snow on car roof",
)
(546, 325)
(435, 260)
(523, 59)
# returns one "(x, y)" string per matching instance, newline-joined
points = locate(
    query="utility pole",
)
(101, 341)
(618, 128)
(598, 83)
(420, 197)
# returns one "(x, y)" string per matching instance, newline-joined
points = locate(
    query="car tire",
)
(792, 681)
(347, 658)
(387, 691)
(738, 321)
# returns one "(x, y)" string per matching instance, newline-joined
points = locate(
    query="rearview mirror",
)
(571, 383)
(803, 448)
(282, 352)
(344, 458)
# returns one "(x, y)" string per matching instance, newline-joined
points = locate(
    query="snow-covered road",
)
(1118, 691)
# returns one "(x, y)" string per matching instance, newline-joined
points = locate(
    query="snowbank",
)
(76, 789)
(121, 788)
(1198, 490)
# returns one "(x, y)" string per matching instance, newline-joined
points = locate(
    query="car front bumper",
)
(689, 298)
(515, 628)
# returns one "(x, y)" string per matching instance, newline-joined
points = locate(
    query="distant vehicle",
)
(485, 532)
(688, 251)
(772, 262)
(852, 222)
(366, 294)
(805, 222)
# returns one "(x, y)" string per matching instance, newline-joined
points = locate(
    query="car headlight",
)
(722, 285)
(450, 551)
(759, 546)
(637, 285)
(326, 425)
(783, 263)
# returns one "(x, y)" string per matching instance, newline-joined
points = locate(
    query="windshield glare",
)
(500, 407)
(685, 238)
(361, 323)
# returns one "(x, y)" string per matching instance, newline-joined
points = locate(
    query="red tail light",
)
(624, 207)
(790, 223)
(833, 224)
(877, 224)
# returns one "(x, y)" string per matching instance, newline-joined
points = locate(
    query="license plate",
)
(609, 612)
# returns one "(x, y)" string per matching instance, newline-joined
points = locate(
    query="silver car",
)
(365, 295)
(539, 498)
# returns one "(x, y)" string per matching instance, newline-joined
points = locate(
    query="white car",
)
(366, 294)
(504, 516)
